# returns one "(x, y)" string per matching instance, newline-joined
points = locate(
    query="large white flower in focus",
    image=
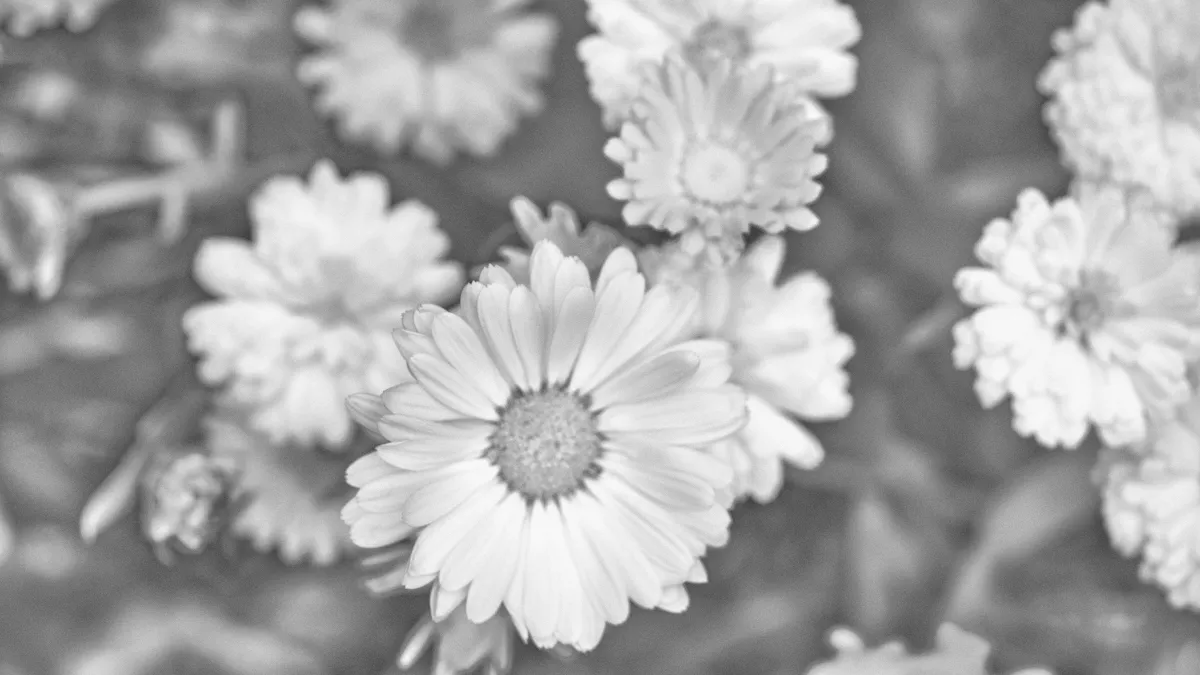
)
(549, 451)
(439, 75)
(1125, 96)
(786, 353)
(1151, 506)
(1087, 316)
(805, 42)
(304, 313)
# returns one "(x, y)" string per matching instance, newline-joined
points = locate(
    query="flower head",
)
(441, 75)
(1151, 505)
(292, 499)
(805, 42)
(1125, 96)
(707, 156)
(591, 244)
(25, 17)
(183, 500)
(304, 313)
(1088, 316)
(786, 353)
(548, 450)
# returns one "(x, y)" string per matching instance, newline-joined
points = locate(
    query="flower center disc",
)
(1179, 90)
(1092, 303)
(440, 30)
(715, 174)
(545, 444)
(715, 40)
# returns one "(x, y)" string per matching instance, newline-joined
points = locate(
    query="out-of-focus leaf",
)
(115, 496)
(1038, 506)
(886, 562)
(8, 535)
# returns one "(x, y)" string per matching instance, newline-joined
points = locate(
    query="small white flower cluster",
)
(566, 435)
(1089, 308)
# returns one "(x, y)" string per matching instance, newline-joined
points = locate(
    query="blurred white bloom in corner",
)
(1088, 316)
(291, 500)
(25, 17)
(786, 353)
(1125, 96)
(591, 243)
(956, 652)
(707, 155)
(441, 75)
(550, 453)
(806, 43)
(1151, 505)
(304, 314)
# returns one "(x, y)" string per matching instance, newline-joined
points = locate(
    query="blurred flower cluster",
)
(1089, 305)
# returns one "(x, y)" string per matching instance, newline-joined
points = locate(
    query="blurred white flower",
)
(804, 41)
(304, 314)
(1125, 96)
(549, 450)
(439, 75)
(786, 353)
(956, 652)
(460, 646)
(706, 156)
(25, 17)
(292, 498)
(591, 244)
(1088, 316)
(1151, 505)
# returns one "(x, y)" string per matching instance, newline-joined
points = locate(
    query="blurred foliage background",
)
(927, 509)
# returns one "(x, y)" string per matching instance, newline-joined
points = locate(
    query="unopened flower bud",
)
(183, 500)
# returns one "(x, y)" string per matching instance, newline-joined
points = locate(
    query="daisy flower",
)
(706, 157)
(805, 42)
(304, 314)
(548, 450)
(1151, 505)
(1125, 96)
(292, 498)
(787, 354)
(560, 225)
(439, 75)
(459, 645)
(1088, 316)
(23, 18)
(956, 651)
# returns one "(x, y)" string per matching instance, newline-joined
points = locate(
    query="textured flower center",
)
(715, 174)
(440, 30)
(1094, 301)
(714, 40)
(1179, 89)
(545, 444)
